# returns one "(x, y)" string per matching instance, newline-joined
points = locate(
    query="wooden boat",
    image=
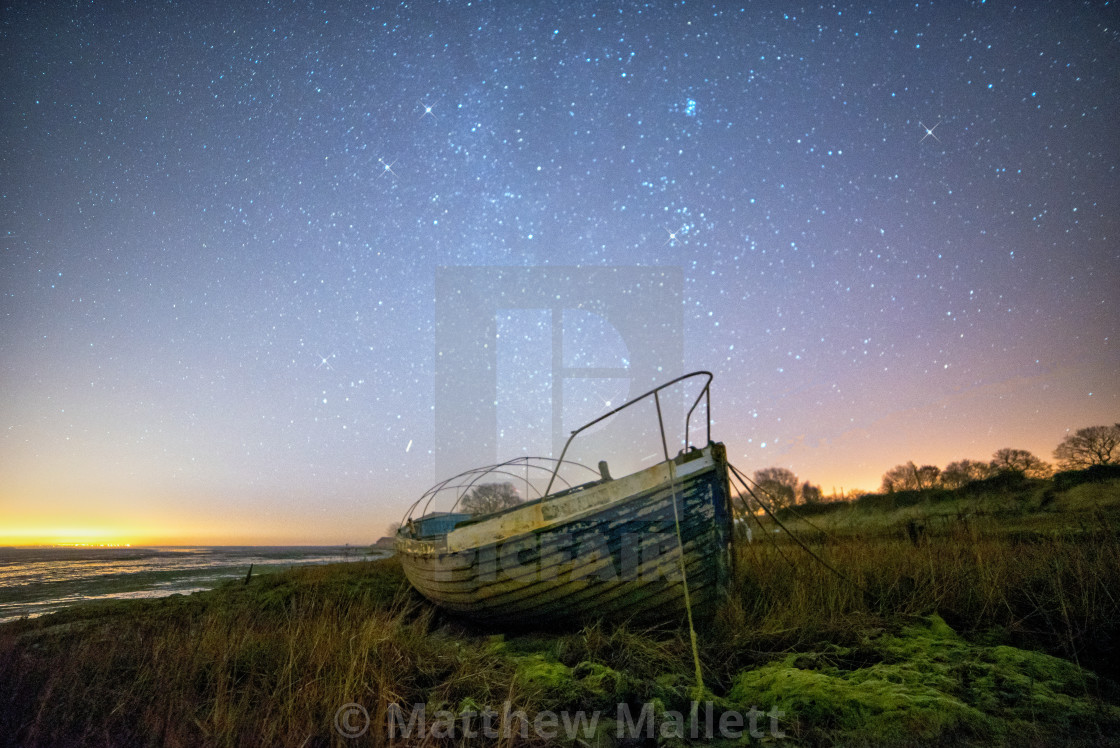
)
(603, 549)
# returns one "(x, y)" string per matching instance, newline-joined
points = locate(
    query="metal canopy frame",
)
(705, 393)
(462, 483)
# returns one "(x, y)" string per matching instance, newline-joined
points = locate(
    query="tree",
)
(490, 497)
(779, 486)
(927, 476)
(810, 494)
(899, 478)
(963, 472)
(1095, 445)
(1020, 461)
(910, 477)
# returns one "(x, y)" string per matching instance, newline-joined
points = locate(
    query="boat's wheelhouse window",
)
(434, 525)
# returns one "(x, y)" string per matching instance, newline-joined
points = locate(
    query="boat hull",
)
(606, 551)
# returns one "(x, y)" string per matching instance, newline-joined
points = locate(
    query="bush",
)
(1096, 474)
(899, 499)
(1007, 482)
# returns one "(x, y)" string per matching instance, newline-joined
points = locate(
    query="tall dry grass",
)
(266, 665)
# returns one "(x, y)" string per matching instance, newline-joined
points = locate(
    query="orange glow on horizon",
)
(37, 533)
(65, 536)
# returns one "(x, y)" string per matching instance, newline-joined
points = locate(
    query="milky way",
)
(896, 229)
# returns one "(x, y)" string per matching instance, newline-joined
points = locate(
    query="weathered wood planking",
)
(607, 550)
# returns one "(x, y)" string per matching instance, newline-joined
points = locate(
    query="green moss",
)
(549, 674)
(931, 684)
(880, 702)
(603, 682)
(587, 684)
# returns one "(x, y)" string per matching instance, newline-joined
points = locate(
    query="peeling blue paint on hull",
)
(596, 556)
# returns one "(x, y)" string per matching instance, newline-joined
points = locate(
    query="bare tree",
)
(927, 476)
(1095, 445)
(779, 486)
(899, 478)
(1020, 461)
(963, 472)
(490, 497)
(910, 477)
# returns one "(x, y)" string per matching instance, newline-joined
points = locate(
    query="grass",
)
(997, 625)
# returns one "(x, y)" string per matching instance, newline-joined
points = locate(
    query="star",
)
(388, 168)
(427, 110)
(929, 131)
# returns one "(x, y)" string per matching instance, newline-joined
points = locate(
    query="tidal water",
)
(36, 581)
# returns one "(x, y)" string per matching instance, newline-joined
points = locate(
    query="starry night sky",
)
(897, 227)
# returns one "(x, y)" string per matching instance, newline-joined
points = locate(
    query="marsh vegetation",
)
(995, 623)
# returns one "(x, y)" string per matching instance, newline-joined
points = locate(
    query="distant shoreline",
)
(36, 581)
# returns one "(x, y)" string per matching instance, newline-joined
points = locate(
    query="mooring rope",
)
(684, 583)
(762, 530)
(680, 555)
(743, 482)
(801, 516)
